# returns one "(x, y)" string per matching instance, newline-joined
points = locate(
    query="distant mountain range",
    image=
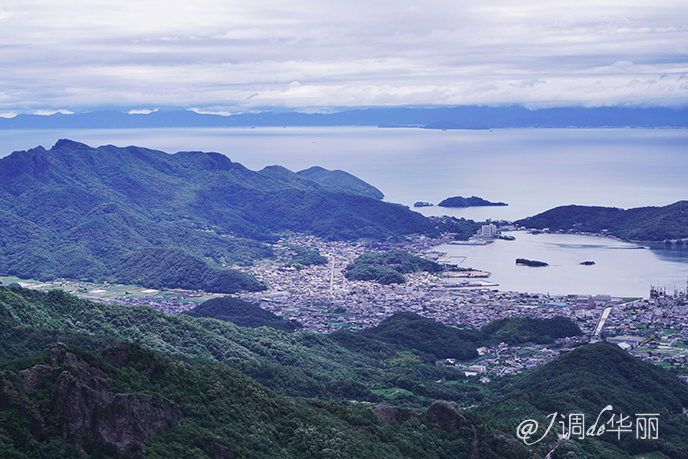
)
(461, 117)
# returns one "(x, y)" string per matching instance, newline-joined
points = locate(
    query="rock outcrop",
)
(82, 398)
(447, 415)
(386, 414)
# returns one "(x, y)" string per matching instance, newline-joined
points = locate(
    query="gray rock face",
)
(89, 408)
(447, 415)
(385, 413)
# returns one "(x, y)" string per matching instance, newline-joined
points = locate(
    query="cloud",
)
(232, 55)
(143, 111)
(52, 112)
(210, 111)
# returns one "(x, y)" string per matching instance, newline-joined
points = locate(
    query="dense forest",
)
(368, 365)
(408, 331)
(241, 313)
(651, 224)
(388, 267)
(129, 402)
(431, 340)
(301, 257)
(519, 330)
(473, 201)
(303, 364)
(92, 213)
(176, 268)
(586, 381)
(195, 394)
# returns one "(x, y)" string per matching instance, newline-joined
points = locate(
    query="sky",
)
(227, 56)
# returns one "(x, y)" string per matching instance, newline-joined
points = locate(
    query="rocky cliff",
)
(75, 397)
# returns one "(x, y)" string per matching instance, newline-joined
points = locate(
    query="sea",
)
(532, 170)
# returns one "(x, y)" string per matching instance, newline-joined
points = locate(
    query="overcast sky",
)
(231, 56)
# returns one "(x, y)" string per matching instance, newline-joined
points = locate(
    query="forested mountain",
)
(388, 267)
(302, 364)
(93, 213)
(241, 313)
(652, 224)
(373, 364)
(341, 181)
(407, 331)
(585, 381)
(519, 330)
(126, 401)
(119, 400)
(214, 411)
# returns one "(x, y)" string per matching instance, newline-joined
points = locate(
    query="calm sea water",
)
(530, 169)
(620, 269)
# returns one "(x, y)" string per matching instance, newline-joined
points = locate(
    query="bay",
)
(530, 169)
(620, 269)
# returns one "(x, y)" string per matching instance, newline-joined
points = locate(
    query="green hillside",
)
(407, 331)
(585, 381)
(519, 330)
(180, 409)
(66, 402)
(176, 268)
(388, 267)
(302, 364)
(394, 361)
(340, 181)
(194, 394)
(90, 213)
(652, 224)
(431, 340)
(300, 257)
(241, 313)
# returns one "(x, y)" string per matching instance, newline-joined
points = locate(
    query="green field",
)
(109, 292)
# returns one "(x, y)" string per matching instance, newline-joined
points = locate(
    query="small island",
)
(473, 201)
(422, 204)
(533, 263)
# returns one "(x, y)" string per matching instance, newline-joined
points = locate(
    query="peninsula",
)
(647, 224)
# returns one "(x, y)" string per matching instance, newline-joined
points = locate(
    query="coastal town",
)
(323, 300)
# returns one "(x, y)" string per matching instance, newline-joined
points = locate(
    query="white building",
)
(489, 230)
